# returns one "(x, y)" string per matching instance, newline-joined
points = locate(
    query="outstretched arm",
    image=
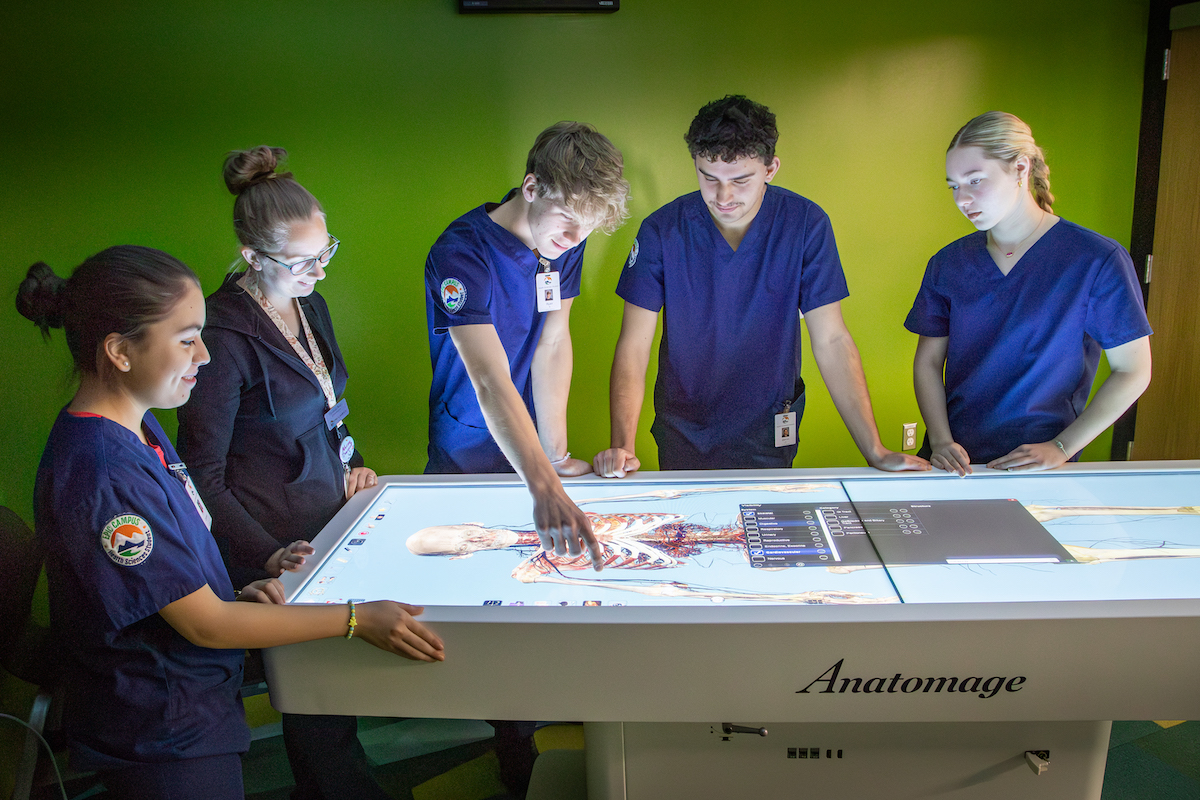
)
(208, 621)
(841, 367)
(929, 381)
(1130, 364)
(561, 526)
(627, 391)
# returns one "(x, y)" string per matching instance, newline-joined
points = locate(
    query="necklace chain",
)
(1017, 246)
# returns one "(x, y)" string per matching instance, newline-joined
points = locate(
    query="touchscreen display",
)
(663, 544)
(1053, 536)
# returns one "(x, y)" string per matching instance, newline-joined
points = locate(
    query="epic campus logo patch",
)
(633, 254)
(127, 539)
(454, 294)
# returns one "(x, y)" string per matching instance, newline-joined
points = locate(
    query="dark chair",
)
(24, 645)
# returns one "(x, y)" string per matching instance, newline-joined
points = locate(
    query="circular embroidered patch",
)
(633, 254)
(454, 294)
(127, 539)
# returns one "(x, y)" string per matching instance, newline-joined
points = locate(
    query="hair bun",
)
(40, 297)
(245, 168)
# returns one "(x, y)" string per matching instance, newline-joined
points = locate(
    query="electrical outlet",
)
(910, 436)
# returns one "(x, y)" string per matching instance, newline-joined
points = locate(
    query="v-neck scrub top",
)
(1024, 347)
(729, 359)
(478, 273)
(122, 540)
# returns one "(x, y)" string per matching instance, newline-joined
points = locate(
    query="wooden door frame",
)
(1145, 189)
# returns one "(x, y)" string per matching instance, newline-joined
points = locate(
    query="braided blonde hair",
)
(1006, 138)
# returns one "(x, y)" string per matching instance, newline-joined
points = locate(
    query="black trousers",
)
(328, 761)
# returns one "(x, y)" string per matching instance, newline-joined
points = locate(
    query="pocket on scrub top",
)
(457, 419)
(206, 687)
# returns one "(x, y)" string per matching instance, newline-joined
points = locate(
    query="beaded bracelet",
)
(1060, 447)
(353, 621)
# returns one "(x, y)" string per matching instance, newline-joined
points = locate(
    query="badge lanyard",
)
(180, 472)
(549, 296)
(338, 411)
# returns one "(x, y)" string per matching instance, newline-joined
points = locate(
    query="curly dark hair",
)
(731, 128)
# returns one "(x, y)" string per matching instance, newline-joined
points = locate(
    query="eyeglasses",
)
(308, 264)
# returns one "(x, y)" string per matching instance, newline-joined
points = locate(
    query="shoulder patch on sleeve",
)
(633, 254)
(127, 539)
(454, 294)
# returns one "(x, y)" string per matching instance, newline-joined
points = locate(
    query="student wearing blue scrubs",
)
(265, 432)
(499, 283)
(732, 267)
(141, 607)
(1012, 318)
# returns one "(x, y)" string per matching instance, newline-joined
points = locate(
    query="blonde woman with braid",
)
(1012, 318)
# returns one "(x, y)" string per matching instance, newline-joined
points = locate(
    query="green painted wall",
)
(400, 115)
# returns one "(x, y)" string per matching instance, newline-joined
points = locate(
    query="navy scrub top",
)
(122, 540)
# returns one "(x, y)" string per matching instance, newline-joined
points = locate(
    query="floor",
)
(1153, 761)
(453, 760)
(425, 759)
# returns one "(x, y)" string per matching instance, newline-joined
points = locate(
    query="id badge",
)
(549, 297)
(180, 471)
(785, 429)
(335, 415)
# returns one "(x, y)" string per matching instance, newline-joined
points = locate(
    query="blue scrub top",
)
(730, 354)
(122, 540)
(1024, 347)
(480, 273)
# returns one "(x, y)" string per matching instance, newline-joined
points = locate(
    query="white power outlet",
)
(910, 436)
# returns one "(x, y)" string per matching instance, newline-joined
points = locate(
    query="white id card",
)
(548, 296)
(180, 471)
(785, 429)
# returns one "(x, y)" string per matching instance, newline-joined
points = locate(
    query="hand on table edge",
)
(571, 467)
(1031, 458)
(952, 458)
(890, 461)
(360, 478)
(392, 626)
(615, 462)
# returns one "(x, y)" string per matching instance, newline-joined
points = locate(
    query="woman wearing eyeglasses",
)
(265, 435)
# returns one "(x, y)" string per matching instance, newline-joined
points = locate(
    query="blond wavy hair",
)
(578, 166)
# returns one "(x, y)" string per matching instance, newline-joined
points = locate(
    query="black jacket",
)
(253, 434)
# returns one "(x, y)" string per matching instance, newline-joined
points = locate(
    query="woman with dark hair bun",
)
(140, 604)
(256, 435)
(1012, 318)
(265, 433)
